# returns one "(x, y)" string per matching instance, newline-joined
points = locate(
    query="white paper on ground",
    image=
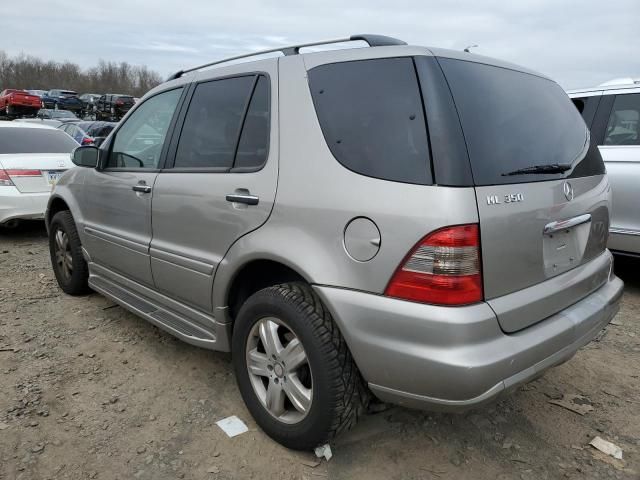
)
(607, 447)
(232, 426)
(324, 451)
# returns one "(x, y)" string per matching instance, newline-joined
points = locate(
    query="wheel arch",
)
(254, 275)
(56, 204)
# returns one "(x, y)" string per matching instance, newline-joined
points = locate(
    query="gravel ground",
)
(88, 390)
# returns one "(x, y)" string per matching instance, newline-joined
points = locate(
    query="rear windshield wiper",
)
(534, 169)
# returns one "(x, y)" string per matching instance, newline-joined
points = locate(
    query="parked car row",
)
(16, 103)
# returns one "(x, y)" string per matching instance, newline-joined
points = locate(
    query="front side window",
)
(212, 124)
(372, 118)
(623, 127)
(138, 143)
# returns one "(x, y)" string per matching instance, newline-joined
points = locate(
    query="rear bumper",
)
(16, 205)
(444, 358)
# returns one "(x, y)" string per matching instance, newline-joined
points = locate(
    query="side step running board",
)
(169, 321)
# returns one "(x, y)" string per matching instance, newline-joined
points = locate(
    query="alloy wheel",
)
(63, 257)
(279, 370)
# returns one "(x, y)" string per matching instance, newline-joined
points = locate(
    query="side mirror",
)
(85, 156)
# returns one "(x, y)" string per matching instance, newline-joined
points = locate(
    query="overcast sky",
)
(578, 43)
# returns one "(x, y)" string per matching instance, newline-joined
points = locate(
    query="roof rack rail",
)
(372, 41)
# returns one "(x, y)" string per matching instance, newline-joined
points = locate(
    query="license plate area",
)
(563, 249)
(53, 176)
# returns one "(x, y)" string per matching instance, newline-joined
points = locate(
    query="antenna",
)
(470, 46)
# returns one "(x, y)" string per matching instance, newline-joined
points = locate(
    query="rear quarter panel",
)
(317, 197)
(623, 170)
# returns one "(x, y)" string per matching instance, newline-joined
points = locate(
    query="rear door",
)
(541, 191)
(117, 199)
(620, 148)
(221, 184)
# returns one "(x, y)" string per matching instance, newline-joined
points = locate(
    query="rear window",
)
(514, 120)
(372, 118)
(35, 140)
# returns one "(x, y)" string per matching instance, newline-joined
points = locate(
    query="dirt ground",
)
(88, 390)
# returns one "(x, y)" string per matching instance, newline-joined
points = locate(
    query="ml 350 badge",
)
(508, 198)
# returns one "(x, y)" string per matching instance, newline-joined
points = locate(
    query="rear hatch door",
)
(542, 196)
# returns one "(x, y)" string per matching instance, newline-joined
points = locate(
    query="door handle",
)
(141, 188)
(242, 198)
(560, 225)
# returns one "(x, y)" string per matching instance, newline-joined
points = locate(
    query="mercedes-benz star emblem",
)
(568, 191)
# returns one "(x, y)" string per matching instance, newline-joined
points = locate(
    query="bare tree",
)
(28, 72)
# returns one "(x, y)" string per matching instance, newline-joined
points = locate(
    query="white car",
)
(32, 158)
(612, 112)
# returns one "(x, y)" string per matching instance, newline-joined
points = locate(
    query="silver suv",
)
(425, 225)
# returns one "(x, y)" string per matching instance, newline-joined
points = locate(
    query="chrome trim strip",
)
(622, 231)
(560, 225)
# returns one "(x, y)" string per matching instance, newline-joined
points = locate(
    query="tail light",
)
(5, 181)
(442, 269)
(17, 172)
(87, 141)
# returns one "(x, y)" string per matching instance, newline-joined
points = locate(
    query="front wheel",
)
(69, 265)
(294, 369)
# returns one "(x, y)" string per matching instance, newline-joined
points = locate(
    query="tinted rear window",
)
(514, 120)
(212, 124)
(35, 140)
(372, 118)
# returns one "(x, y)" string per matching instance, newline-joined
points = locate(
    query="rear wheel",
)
(69, 265)
(294, 369)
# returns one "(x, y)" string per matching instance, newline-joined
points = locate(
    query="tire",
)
(73, 282)
(337, 392)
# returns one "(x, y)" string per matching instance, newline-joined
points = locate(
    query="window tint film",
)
(212, 124)
(139, 141)
(514, 120)
(254, 140)
(624, 123)
(35, 140)
(372, 117)
(587, 107)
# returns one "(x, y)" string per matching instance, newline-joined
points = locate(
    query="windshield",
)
(518, 127)
(35, 140)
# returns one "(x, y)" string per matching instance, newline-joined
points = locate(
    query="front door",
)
(220, 184)
(118, 194)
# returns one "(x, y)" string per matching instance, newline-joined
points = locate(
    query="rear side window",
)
(623, 127)
(515, 120)
(587, 107)
(212, 124)
(35, 140)
(372, 118)
(254, 140)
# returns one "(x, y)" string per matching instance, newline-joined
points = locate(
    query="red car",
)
(14, 103)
